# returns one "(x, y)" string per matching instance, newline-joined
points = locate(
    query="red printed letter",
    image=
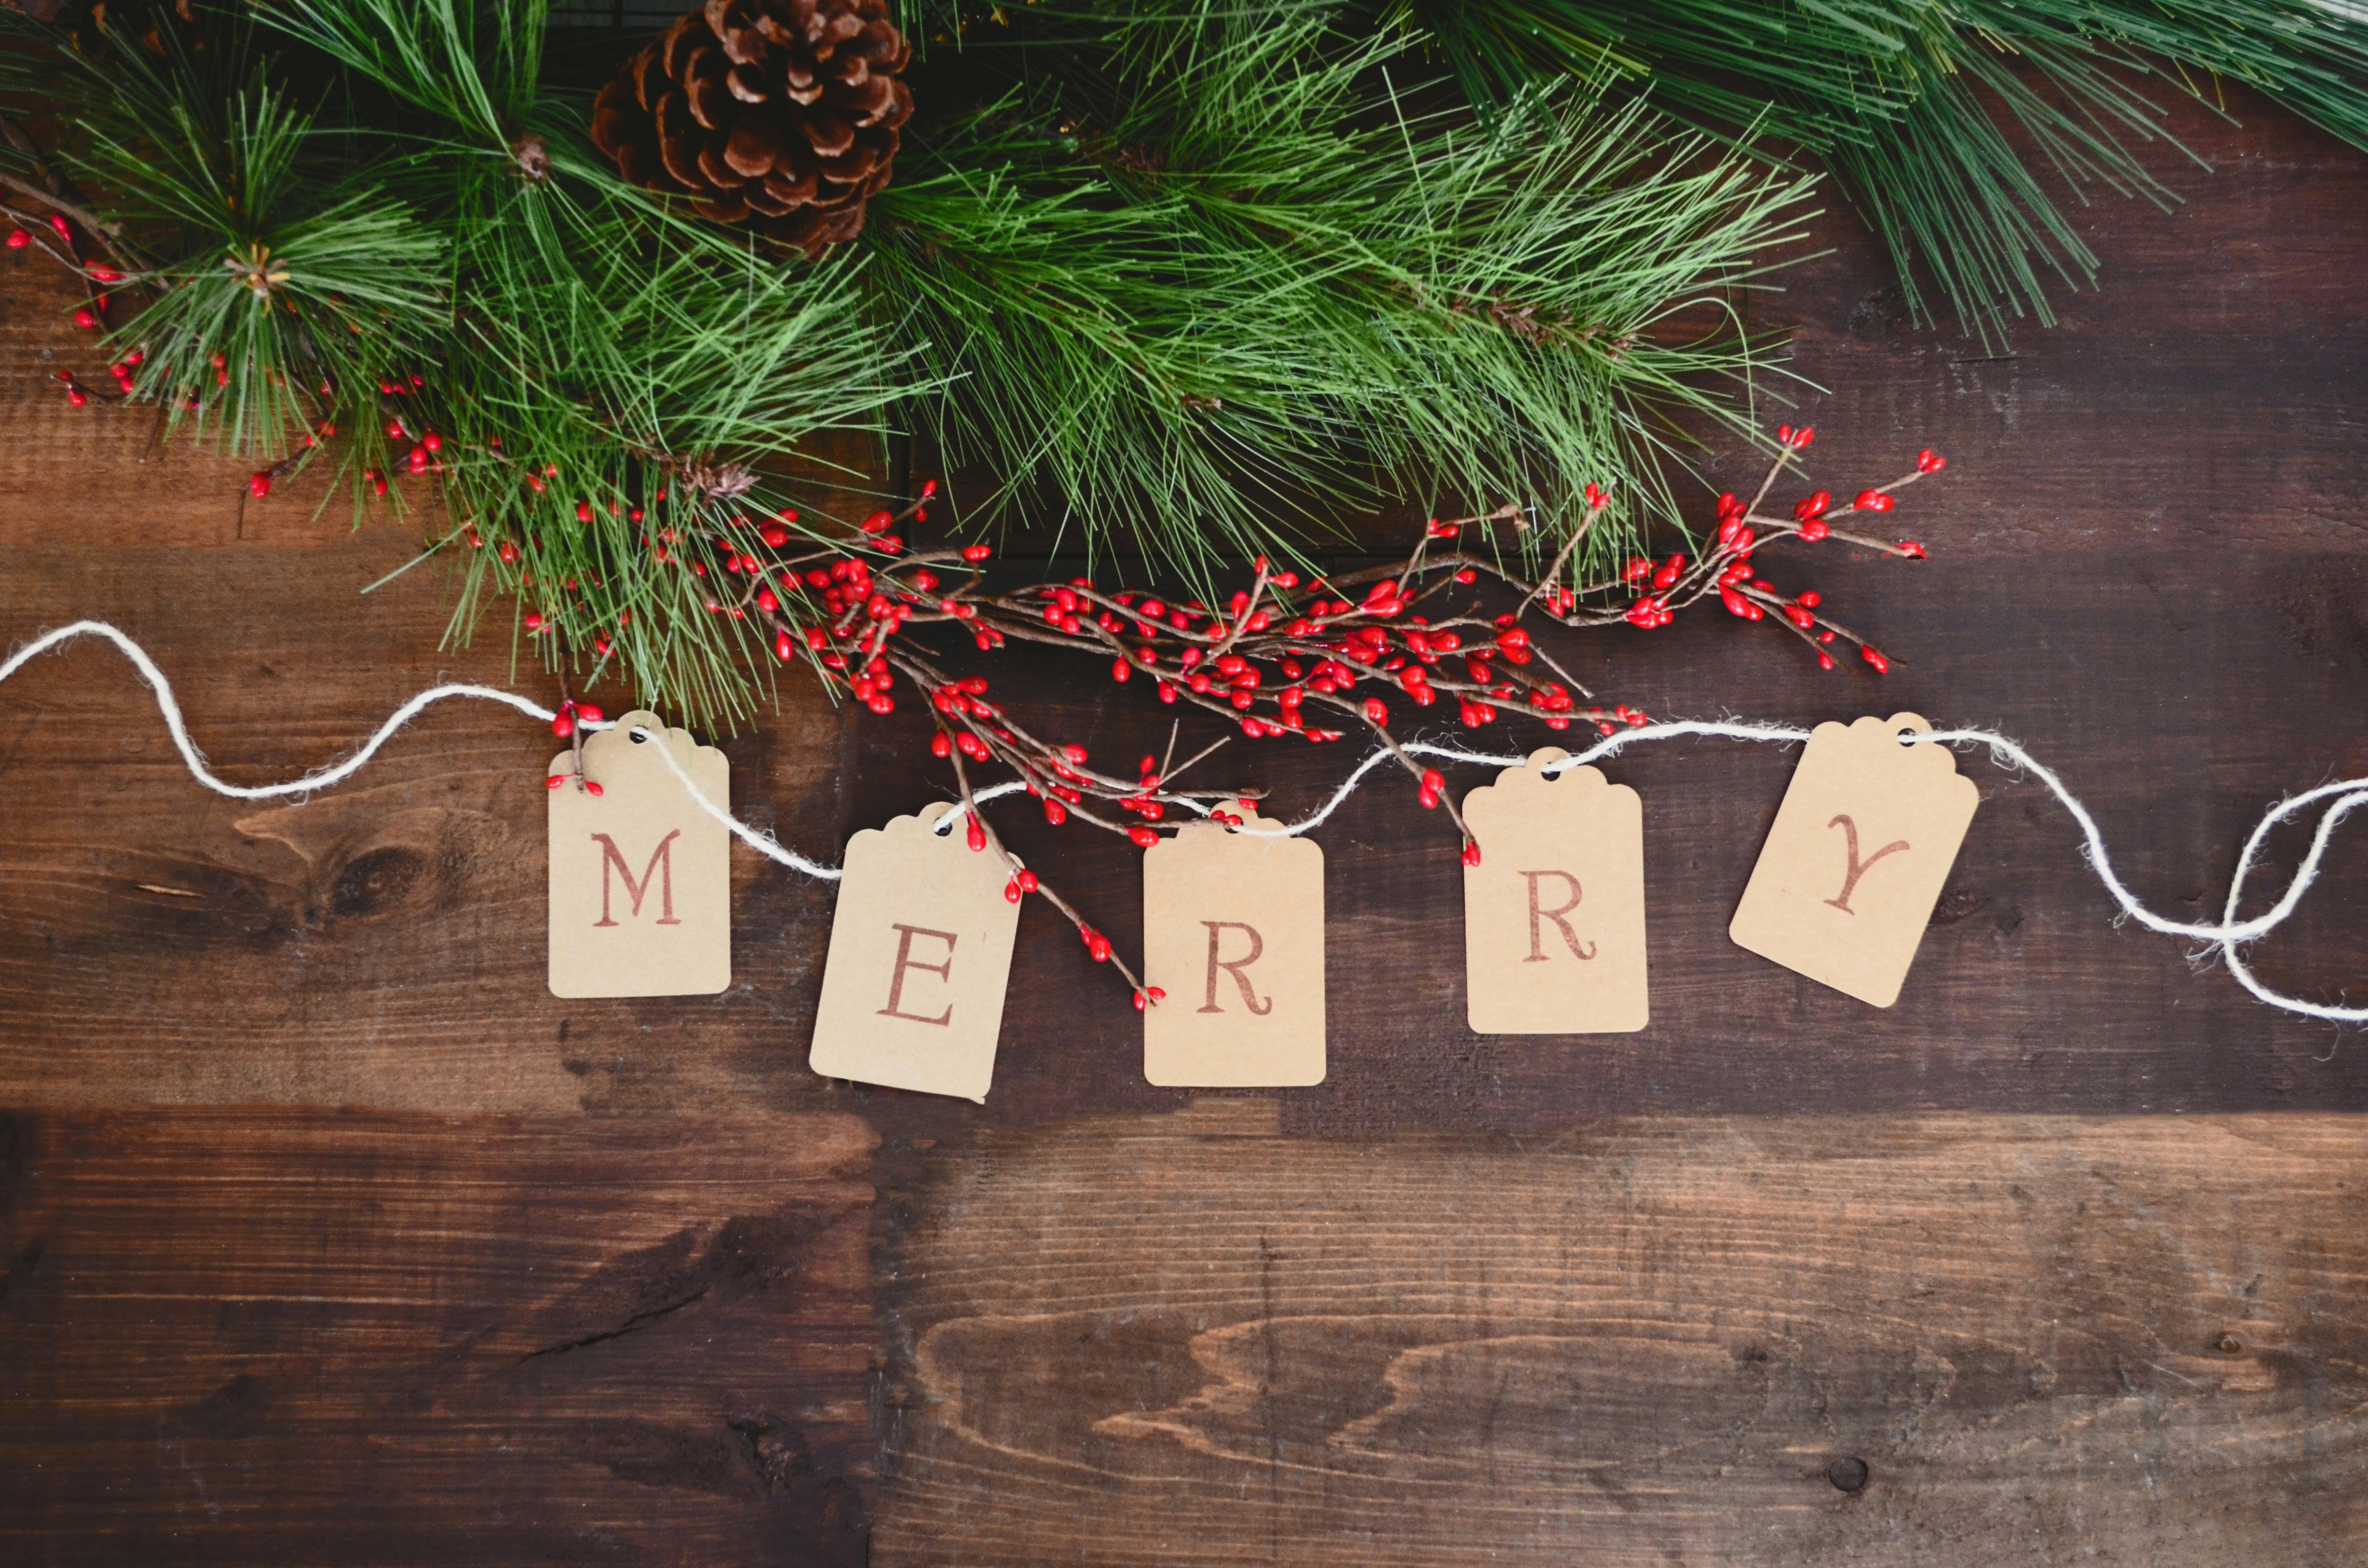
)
(1234, 967)
(661, 865)
(1537, 952)
(1858, 867)
(904, 961)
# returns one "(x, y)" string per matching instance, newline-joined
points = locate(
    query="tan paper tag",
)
(1554, 915)
(641, 879)
(920, 957)
(1233, 931)
(1855, 861)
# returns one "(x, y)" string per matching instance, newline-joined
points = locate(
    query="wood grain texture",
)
(2014, 1340)
(305, 1166)
(240, 1335)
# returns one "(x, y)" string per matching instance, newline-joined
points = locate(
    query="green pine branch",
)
(1910, 101)
(1204, 276)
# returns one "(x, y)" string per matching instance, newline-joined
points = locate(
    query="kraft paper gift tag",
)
(920, 957)
(1233, 931)
(1553, 915)
(641, 878)
(1855, 861)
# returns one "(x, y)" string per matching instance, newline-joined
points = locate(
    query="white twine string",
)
(2222, 936)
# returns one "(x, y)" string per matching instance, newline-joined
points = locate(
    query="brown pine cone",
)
(783, 113)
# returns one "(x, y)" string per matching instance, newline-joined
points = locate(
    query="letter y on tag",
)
(641, 878)
(920, 958)
(1856, 858)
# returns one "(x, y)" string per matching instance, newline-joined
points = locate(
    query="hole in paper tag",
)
(641, 878)
(1553, 915)
(1233, 930)
(1855, 860)
(920, 958)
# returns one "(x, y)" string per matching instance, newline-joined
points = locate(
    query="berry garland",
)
(1280, 653)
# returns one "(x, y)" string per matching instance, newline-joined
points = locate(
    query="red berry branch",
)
(1314, 657)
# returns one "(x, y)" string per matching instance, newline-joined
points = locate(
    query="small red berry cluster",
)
(1663, 587)
(64, 241)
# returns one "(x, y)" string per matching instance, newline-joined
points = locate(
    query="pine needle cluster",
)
(1911, 103)
(1203, 275)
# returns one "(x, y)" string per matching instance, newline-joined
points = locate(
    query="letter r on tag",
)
(1554, 915)
(1233, 931)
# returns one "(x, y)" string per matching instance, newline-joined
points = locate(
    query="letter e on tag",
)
(1855, 860)
(920, 957)
(641, 878)
(1554, 915)
(1233, 931)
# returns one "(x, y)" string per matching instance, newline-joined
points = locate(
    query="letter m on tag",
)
(659, 869)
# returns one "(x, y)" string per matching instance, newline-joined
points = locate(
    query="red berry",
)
(1872, 501)
(1815, 529)
(592, 789)
(587, 713)
(1882, 665)
(1472, 853)
(878, 522)
(975, 834)
(563, 724)
(1144, 838)
(1908, 547)
(258, 485)
(1055, 812)
(19, 239)
(554, 780)
(1376, 712)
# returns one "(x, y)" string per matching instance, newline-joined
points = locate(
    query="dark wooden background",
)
(327, 1235)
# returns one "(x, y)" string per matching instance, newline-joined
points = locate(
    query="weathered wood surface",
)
(1996, 1340)
(251, 1050)
(246, 1335)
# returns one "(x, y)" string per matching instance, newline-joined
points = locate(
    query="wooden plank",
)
(1961, 1340)
(240, 1335)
